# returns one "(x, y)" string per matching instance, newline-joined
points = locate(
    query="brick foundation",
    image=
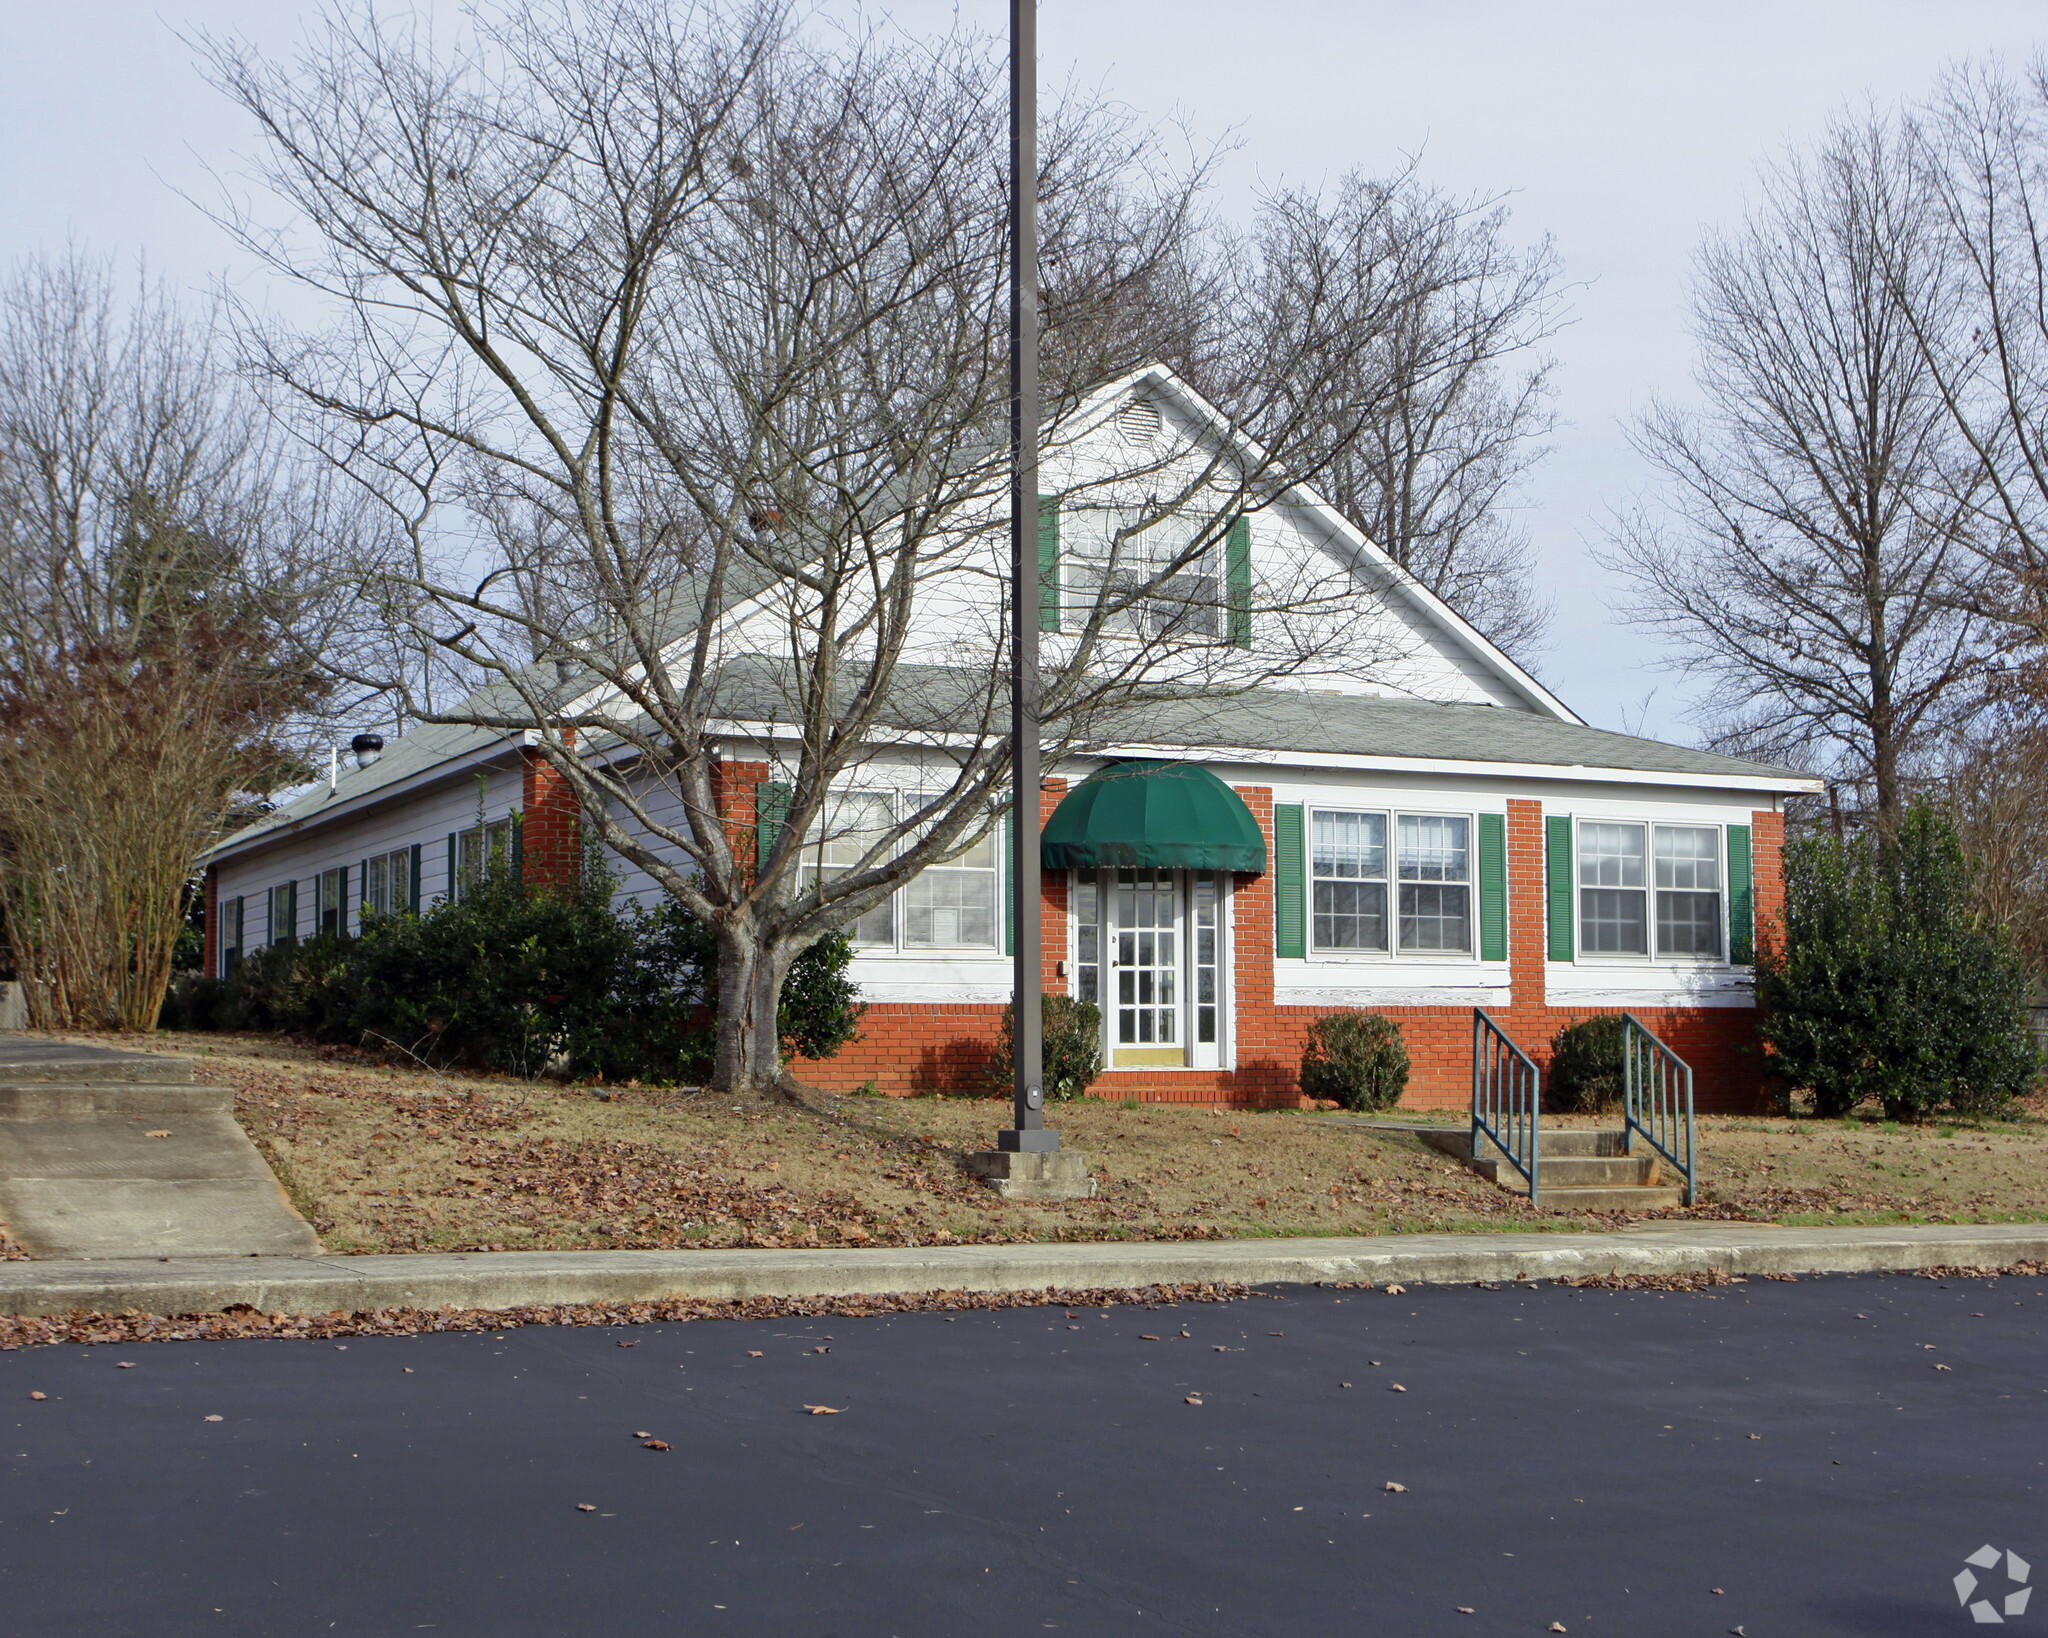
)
(907, 1049)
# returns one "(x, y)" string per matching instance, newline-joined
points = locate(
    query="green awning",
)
(1156, 815)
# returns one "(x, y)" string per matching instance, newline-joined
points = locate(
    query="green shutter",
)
(1493, 887)
(1290, 915)
(1008, 868)
(291, 911)
(1557, 868)
(1048, 563)
(362, 894)
(771, 813)
(452, 894)
(412, 899)
(1741, 898)
(518, 847)
(1237, 580)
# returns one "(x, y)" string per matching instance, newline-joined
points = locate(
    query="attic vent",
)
(1138, 421)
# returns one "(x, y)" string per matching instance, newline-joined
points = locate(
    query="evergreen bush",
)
(1356, 1060)
(1072, 1051)
(1585, 1066)
(523, 978)
(1885, 984)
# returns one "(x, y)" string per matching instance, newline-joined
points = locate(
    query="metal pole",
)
(1029, 1134)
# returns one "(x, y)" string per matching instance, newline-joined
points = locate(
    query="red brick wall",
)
(211, 954)
(550, 828)
(910, 1049)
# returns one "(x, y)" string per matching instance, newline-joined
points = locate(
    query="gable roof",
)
(1363, 553)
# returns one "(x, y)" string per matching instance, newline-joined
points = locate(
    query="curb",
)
(516, 1279)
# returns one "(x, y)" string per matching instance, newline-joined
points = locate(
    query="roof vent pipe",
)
(367, 748)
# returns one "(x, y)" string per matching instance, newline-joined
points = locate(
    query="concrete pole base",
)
(1061, 1174)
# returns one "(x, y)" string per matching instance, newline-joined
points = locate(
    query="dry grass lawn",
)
(388, 1159)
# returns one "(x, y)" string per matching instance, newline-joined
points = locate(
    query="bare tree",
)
(1457, 402)
(1996, 784)
(151, 552)
(676, 342)
(1982, 150)
(1809, 554)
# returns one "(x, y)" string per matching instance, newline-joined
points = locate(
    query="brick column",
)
(1767, 865)
(550, 828)
(736, 793)
(1528, 919)
(210, 957)
(1052, 902)
(1264, 1068)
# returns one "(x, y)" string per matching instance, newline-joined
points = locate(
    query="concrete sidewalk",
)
(492, 1280)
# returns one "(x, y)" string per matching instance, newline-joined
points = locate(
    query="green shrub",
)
(1072, 1052)
(1585, 1066)
(1356, 1060)
(1885, 984)
(523, 978)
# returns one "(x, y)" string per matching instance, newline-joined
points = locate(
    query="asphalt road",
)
(1602, 1460)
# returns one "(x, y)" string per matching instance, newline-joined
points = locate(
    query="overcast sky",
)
(1625, 130)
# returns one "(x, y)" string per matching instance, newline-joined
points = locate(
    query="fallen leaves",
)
(158, 1133)
(1397, 1291)
(654, 1444)
(215, 1419)
(825, 1410)
(1396, 1489)
(28, 1331)
(1944, 1367)
(1395, 1387)
(586, 1507)
(1143, 1337)
(1557, 1626)
(753, 1353)
(38, 1395)
(1193, 1399)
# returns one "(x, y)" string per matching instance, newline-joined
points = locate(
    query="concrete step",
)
(1652, 1197)
(22, 1060)
(1576, 1143)
(1576, 1171)
(114, 1100)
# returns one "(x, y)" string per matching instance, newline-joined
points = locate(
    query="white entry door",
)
(1151, 956)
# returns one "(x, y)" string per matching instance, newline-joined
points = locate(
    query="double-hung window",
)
(854, 823)
(228, 934)
(1155, 579)
(955, 905)
(282, 923)
(388, 887)
(477, 850)
(1426, 872)
(334, 900)
(1640, 882)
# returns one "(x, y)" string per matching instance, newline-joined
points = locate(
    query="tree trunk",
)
(751, 970)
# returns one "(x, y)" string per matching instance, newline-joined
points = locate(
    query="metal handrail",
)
(1507, 1099)
(1657, 1100)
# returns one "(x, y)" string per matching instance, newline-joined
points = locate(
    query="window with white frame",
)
(1426, 873)
(1106, 549)
(388, 889)
(281, 926)
(333, 900)
(476, 849)
(1640, 881)
(950, 906)
(229, 937)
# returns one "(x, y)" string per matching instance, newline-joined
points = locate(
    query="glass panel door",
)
(1147, 952)
(1150, 951)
